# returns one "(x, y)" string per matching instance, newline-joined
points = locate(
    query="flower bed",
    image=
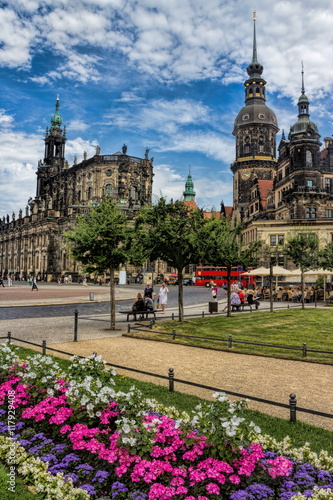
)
(84, 439)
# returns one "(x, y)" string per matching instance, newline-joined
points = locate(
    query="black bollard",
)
(292, 404)
(76, 314)
(173, 334)
(230, 341)
(44, 347)
(171, 379)
(9, 337)
(304, 350)
(128, 328)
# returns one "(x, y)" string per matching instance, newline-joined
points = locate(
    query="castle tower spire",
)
(189, 193)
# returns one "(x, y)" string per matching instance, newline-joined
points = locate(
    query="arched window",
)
(258, 90)
(108, 190)
(134, 193)
(89, 192)
(308, 158)
(310, 213)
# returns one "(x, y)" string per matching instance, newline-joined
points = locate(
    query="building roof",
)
(264, 187)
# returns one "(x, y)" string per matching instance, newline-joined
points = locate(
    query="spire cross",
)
(254, 58)
(303, 89)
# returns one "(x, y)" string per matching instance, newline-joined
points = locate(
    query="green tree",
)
(99, 240)
(303, 250)
(224, 248)
(326, 257)
(169, 231)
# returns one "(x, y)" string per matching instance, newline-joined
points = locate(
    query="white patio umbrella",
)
(319, 272)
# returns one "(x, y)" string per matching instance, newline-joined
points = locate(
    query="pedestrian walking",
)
(34, 284)
(215, 291)
(84, 282)
(9, 281)
(148, 292)
(163, 296)
(1, 281)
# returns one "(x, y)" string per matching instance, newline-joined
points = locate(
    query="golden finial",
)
(254, 16)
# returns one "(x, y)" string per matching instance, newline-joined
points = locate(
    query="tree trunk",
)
(302, 287)
(180, 295)
(228, 292)
(112, 301)
(271, 285)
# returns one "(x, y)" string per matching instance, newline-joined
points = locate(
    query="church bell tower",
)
(255, 129)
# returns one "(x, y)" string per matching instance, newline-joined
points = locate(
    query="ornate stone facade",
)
(32, 243)
(278, 197)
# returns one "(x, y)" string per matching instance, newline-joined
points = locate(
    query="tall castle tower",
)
(255, 130)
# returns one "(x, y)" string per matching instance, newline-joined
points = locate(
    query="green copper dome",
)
(189, 192)
(56, 119)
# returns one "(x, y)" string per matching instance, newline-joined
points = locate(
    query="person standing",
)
(1, 281)
(215, 291)
(163, 296)
(10, 282)
(148, 292)
(34, 284)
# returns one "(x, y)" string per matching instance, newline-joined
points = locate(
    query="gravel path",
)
(267, 378)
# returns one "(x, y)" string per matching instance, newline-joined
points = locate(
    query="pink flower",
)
(213, 488)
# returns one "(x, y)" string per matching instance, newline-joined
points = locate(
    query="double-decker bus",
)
(203, 276)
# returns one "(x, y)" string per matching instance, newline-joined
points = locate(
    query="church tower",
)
(54, 156)
(189, 193)
(255, 129)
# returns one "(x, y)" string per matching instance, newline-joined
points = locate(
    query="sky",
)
(166, 75)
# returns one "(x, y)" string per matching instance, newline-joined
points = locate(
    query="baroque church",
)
(32, 243)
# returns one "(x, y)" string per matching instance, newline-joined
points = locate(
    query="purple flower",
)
(72, 476)
(253, 492)
(89, 489)
(100, 476)
(25, 443)
(49, 457)
(59, 448)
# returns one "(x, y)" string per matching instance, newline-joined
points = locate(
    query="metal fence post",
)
(171, 379)
(230, 341)
(128, 328)
(304, 350)
(9, 337)
(44, 347)
(292, 404)
(203, 314)
(76, 313)
(315, 295)
(151, 324)
(173, 334)
(173, 316)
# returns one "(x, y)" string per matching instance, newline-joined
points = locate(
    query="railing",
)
(230, 341)
(292, 406)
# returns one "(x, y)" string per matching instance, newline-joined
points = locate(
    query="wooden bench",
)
(139, 313)
(241, 307)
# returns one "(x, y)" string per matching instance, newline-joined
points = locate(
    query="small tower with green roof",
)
(55, 142)
(189, 193)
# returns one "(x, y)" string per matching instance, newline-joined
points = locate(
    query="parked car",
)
(188, 282)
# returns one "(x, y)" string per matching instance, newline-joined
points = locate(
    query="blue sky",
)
(162, 74)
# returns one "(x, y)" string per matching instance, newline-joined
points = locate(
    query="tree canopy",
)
(169, 231)
(99, 240)
(223, 247)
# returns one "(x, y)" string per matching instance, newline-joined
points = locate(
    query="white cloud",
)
(19, 156)
(211, 144)
(16, 37)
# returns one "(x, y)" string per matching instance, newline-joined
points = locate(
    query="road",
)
(192, 296)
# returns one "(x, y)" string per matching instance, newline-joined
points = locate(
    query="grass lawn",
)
(21, 492)
(288, 328)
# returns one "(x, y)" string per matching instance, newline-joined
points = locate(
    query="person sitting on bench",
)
(252, 301)
(235, 301)
(149, 304)
(138, 304)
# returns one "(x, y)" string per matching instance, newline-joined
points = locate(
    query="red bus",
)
(203, 275)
